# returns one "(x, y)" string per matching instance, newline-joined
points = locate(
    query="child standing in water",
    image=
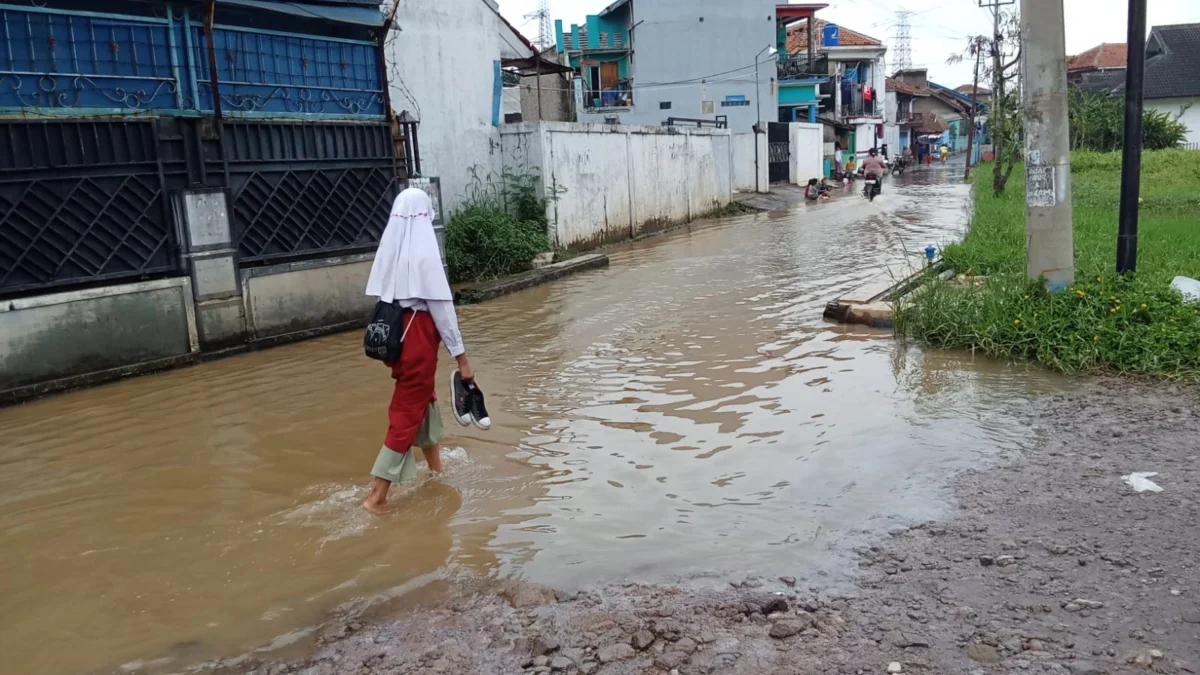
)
(408, 271)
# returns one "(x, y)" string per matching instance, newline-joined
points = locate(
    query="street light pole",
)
(1131, 159)
(758, 123)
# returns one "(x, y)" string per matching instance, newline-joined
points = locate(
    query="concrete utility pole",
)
(1131, 160)
(1049, 226)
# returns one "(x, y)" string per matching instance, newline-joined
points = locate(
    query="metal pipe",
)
(212, 60)
(1131, 159)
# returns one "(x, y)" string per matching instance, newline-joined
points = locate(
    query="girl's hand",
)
(464, 369)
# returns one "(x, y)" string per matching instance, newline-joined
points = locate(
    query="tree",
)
(998, 58)
(1005, 111)
(975, 49)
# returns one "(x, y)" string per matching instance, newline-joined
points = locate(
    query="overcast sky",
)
(939, 27)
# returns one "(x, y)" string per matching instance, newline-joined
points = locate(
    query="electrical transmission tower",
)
(903, 40)
(545, 38)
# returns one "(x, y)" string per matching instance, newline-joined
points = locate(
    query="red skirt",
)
(415, 374)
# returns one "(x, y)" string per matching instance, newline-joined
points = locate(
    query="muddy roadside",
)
(1049, 562)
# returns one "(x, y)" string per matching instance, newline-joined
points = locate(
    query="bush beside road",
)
(1102, 322)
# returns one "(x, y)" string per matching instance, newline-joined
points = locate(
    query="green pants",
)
(399, 468)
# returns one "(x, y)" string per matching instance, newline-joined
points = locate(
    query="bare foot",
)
(376, 501)
(376, 507)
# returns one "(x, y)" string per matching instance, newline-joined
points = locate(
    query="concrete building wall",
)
(744, 179)
(298, 297)
(808, 152)
(865, 138)
(556, 99)
(441, 59)
(928, 105)
(61, 335)
(611, 183)
(1186, 110)
(682, 41)
(891, 136)
(751, 171)
(62, 340)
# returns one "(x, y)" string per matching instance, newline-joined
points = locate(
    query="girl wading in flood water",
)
(408, 273)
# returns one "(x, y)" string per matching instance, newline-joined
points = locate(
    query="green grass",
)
(1104, 322)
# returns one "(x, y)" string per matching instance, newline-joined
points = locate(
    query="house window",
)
(664, 105)
(735, 101)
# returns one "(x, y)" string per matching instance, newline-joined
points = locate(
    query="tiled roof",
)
(1106, 55)
(798, 37)
(979, 91)
(932, 125)
(905, 88)
(1173, 61)
(1100, 81)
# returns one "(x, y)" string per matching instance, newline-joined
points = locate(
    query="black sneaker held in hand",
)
(479, 413)
(461, 405)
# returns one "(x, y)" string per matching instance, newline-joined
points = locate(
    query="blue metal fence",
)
(56, 62)
(280, 74)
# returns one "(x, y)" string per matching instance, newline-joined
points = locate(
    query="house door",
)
(779, 144)
(852, 145)
(609, 75)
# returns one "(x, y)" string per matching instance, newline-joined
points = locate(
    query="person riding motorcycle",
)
(874, 167)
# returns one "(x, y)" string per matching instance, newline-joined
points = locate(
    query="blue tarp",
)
(350, 11)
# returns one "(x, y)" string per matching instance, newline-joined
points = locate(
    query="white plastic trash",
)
(1140, 482)
(1188, 288)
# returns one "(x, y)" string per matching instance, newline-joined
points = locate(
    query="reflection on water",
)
(685, 410)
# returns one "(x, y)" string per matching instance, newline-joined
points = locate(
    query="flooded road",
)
(685, 411)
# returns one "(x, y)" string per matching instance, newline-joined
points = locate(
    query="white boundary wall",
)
(618, 182)
(808, 152)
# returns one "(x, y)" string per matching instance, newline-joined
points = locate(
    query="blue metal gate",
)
(109, 112)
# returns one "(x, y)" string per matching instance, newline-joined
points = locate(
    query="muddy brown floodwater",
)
(684, 412)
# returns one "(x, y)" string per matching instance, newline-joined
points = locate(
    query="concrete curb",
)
(494, 289)
(29, 392)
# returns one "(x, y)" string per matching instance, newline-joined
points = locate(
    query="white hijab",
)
(408, 264)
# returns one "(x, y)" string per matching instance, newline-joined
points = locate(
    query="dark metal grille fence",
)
(81, 201)
(779, 149)
(299, 189)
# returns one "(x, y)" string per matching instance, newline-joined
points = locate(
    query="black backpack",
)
(384, 339)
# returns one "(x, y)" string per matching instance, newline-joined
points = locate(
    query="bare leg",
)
(376, 501)
(433, 457)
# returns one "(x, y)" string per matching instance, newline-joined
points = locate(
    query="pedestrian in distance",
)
(408, 272)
